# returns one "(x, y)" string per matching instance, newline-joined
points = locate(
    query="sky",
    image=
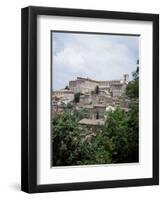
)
(95, 56)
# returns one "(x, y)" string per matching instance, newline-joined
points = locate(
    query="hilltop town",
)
(93, 97)
(96, 122)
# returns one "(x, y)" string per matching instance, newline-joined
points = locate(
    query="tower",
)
(126, 78)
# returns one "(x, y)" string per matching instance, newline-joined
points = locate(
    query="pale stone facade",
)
(86, 85)
(82, 85)
(93, 101)
(64, 96)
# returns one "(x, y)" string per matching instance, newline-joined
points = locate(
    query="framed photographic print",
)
(90, 99)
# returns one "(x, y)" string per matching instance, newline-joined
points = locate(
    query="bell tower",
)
(126, 78)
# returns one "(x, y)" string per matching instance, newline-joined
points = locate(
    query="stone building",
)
(96, 111)
(110, 87)
(62, 95)
(82, 85)
(60, 98)
(94, 101)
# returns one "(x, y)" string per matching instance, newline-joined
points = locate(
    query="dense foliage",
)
(115, 142)
(132, 90)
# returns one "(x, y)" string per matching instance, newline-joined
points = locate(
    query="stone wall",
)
(110, 87)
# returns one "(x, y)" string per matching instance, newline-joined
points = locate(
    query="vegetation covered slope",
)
(115, 142)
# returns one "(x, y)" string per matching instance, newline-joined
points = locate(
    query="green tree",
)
(98, 150)
(71, 148)
(65, 139)
(133, 130)
(132, 92)
(115, 142)
(67, 87)
(116, 129)
(132, 89)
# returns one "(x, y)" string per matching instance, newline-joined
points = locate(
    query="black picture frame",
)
(29, 99)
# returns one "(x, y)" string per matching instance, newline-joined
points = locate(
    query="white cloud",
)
(100, 57)
(69, 57)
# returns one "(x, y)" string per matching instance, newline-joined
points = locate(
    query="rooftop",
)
(87, 79)
(118, 81)
(93, 122)
(63, 91)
